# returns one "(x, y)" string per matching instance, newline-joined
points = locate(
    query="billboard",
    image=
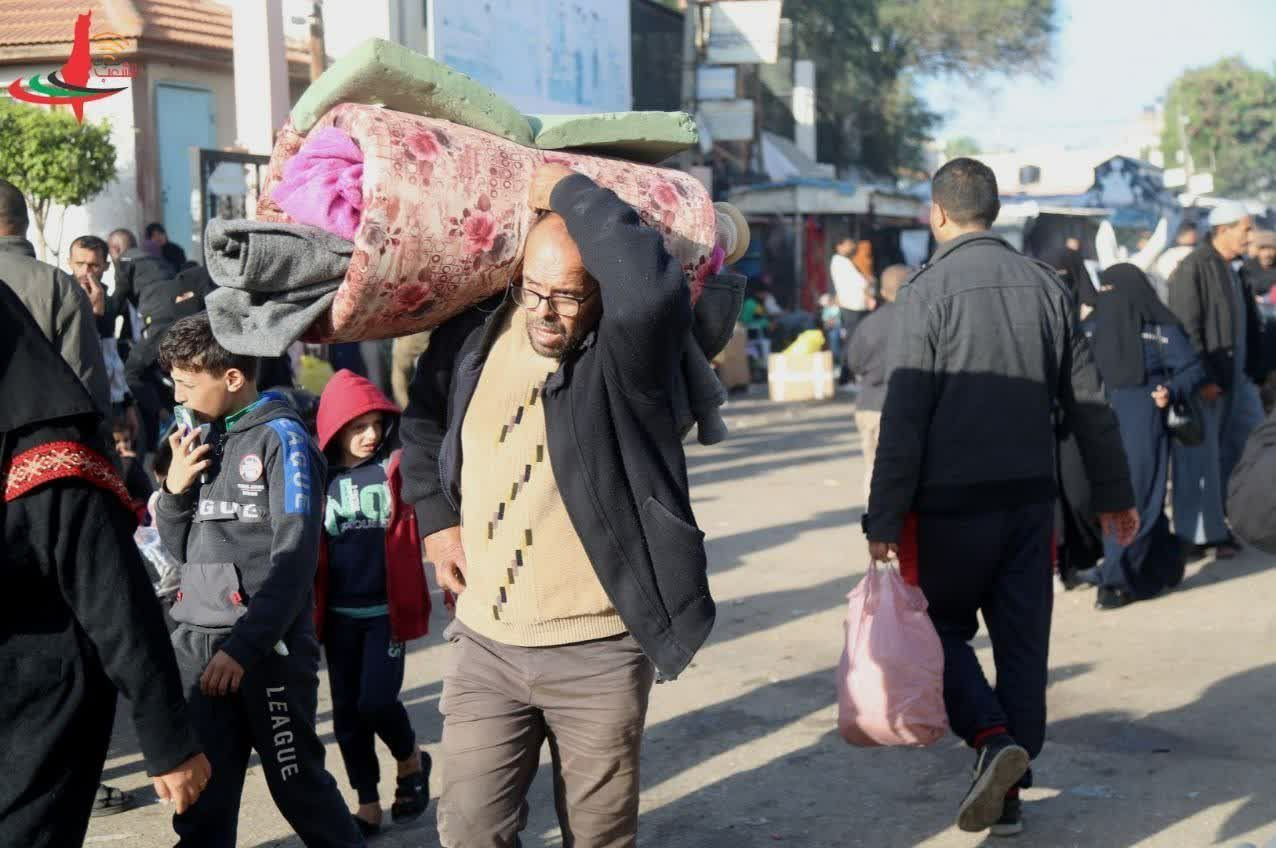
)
(544, 56)
(744, 32)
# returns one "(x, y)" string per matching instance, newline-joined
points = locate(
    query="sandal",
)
(412, 794)
(110, 801)
(367, 828)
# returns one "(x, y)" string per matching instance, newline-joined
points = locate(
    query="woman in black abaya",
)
(1146, 362)
(1079, 537)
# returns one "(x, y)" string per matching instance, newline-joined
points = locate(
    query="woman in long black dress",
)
(1078, 537)
(1146, 362)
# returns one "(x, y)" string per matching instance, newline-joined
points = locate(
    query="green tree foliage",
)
(868, 54)
(53, 160)
(1231, 126)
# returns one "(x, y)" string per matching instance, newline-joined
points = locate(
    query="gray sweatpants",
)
(501, 702)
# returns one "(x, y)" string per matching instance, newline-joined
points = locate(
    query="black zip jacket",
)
(248, 539)
(613, 440)
(985, 346)
(1201, 297)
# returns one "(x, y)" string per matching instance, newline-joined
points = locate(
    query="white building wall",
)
(348, 23)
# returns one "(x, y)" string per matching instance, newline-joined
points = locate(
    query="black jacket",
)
(867, 356)
(78, 615)
(1251, 491)
(613, 440)
(248, 539)
(135, 273)
(985, 348)
(1201, 297)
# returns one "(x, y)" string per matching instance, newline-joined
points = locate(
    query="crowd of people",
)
(1014, 413)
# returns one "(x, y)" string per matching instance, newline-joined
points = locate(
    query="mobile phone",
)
(185, 420)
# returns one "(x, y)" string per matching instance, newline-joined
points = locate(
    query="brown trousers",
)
(501, 702)
(869, 423)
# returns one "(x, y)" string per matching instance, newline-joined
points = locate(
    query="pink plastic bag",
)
(890, 682)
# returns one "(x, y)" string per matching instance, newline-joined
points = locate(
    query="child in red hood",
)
(370, 595)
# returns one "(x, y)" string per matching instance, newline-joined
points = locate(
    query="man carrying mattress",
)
(547, 470)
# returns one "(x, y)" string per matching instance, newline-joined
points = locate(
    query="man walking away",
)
(549, 477)
(851, 288)
(963, 486)
(867, 360)
(1217, 308)
(60, 309)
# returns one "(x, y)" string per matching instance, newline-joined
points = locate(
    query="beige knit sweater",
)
(529, 581)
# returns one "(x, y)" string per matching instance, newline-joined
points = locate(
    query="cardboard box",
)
(801, 376)
(733, 361)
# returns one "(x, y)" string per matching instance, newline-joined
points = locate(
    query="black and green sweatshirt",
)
(249, 537)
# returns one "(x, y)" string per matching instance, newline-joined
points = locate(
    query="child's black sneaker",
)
(412, 794)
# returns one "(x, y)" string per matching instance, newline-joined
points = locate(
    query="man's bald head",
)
(552, 267)
(120, 240)
(892, 278)
(553, 249)
(13, 210)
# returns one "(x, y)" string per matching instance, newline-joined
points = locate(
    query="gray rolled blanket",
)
(274, 281)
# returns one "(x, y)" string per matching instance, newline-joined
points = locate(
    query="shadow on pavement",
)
(772, 462)
(743, 617)
(728, 552)
(1230, 721)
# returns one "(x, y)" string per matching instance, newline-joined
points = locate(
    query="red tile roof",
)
(52, 21)
(193, 23)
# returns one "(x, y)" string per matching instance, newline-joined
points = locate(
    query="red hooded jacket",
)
(345, 398)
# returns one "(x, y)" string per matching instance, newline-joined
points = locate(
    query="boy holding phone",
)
(241, 508)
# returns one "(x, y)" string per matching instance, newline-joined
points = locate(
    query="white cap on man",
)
(1227, 212)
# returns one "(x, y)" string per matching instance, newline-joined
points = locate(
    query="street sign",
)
(744, 32)
(715, 82)
(728, 120)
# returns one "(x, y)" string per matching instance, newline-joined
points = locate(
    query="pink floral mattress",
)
(445, 216)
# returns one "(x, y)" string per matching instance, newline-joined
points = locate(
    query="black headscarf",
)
(1120, 315)
(36, 383)
(1071, 267)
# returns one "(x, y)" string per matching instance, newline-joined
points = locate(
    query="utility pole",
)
(318, 54)
(690, 61)
(690, 54)
(1182, 120)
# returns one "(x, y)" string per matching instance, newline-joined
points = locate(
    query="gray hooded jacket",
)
(248, 539)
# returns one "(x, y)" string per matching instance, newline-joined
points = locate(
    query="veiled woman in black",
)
(1147, 363)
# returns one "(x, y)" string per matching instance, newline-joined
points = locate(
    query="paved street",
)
(1160, 713)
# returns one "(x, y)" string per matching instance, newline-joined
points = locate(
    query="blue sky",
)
(1112, 58)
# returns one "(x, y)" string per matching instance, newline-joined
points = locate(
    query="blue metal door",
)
(184, 119)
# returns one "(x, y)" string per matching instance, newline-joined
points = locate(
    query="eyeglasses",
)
(562, 305)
